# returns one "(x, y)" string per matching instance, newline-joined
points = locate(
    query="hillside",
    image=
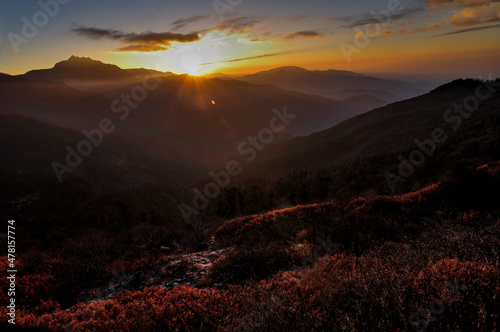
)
(27, 145)
(250, 166)
(326, 257)
(51, 102)
(390, 130)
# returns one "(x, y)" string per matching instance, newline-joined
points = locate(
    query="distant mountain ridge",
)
(142, 72)
(335, 84)
(80, 68)
(84, 73)
(295, 69)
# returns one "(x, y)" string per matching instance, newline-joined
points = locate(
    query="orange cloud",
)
(470, 12)
(431, 27)
(380, 32)
(467, 17)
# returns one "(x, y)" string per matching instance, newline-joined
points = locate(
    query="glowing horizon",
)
(435, 39)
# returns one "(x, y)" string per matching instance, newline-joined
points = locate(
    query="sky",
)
(414, 39)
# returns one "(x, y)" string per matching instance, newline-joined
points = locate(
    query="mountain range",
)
(336, 84)
(186, 125)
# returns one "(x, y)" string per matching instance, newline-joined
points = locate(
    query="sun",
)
(191, 63)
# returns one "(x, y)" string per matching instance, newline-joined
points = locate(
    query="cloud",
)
(460, 3)
(237, 25)
(247, 25)
(302, 34)
(470, 29)
(95, 33)
(138, 42)
(182, 22)
(244, 59)
(370, 19)
(251, 27)
(468, 17)
(430, 27)
(142, 48)
(372, 34)
(263, 36)
(469, 12)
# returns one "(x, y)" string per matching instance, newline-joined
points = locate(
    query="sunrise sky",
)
(438, 39)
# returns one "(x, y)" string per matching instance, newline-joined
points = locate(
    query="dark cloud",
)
(237, 25)
(182, 22)
(95, 33)
(430, 27)
(244, 59)
(244, 24)
(138, 42)
(302, 34)
(470, 29)
(160, 41)
(369, 19)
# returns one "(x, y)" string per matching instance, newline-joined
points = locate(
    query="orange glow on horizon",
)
(239, 54)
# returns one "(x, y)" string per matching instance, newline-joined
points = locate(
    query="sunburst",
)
(191, 63)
